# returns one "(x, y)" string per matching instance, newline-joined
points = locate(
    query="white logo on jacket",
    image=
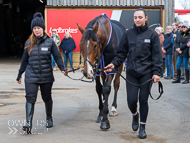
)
(44, 48)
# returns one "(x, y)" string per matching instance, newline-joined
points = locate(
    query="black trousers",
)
(138, 93)
(32, 91)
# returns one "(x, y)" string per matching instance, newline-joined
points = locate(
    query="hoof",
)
(99, 119)
(113, 113)
(105, 125)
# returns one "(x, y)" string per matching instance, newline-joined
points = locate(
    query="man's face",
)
(179, 27)
(173, 26)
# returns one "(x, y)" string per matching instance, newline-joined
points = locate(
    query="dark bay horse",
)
(98, 44)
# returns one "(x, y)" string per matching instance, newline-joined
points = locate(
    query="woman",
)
(57, 41)
(161, 37)
(36, 61)
(183, 52)
(168, 51)
(68, 45)
(141, 46)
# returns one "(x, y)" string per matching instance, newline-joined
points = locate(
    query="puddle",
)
(4, 96)
(52, 89)
(6, 104)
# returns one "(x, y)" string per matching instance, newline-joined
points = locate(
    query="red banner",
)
(66, 21)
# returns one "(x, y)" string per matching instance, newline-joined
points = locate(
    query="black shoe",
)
(142, 132)
(187, 77)
(135, 122)
(49, 120)
(29, 117)
(185, 82)
(166, 77)
(178, 80)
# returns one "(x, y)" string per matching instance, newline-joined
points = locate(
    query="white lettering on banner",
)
(63, 30)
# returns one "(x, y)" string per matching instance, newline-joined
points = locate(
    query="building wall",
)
(168, 5)
(168, 11)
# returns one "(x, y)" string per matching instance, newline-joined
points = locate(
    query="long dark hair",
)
(145, 13)
(32, 40)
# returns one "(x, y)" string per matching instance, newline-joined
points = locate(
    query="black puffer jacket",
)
(181, 42)
(37, 64)
(141, 46)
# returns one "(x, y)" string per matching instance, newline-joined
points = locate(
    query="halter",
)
(96, 64)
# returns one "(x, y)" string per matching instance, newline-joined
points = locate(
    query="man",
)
(176, 36)
(174, 27)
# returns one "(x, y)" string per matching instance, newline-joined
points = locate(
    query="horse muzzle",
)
(88, 75)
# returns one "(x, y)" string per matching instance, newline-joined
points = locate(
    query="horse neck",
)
(106, 25)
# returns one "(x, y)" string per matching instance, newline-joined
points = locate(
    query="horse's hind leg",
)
(99, 92)
(116, 85)
(106, 91)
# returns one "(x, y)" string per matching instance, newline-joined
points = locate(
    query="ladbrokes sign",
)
(66, 21)
(63, 30)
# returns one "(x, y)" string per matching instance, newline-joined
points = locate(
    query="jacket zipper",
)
(39, 62)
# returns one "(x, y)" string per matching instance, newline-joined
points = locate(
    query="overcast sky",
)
(178, 4)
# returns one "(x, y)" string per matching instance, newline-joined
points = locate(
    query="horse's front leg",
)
(116, 85)
(106, 91)
(99, 92)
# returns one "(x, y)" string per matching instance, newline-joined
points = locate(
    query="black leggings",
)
(32, 91)
(142, 93)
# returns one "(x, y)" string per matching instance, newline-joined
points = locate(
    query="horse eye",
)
(95, 46)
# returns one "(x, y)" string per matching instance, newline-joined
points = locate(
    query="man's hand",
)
(164, 51)
(19, 82)
(174, 36)
(109, 67)
(188, 44)
(65, 73)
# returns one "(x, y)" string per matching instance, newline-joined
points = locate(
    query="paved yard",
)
(75, 110)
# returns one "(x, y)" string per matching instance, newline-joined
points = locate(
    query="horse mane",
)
(89, 29)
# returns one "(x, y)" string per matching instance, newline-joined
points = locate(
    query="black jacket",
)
(37, 63)
(141, 46)
(168, 43)
(181, 42)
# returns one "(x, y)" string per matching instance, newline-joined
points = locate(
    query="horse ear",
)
(80, 29)
(96, 27)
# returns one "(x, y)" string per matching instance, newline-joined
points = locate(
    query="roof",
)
(105, 2)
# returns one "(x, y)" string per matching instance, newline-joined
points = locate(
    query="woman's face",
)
(38, 31)
(67, 36)
(157, 31)
(53, 32)
(184, 29)
(139, 18)
(168, 30)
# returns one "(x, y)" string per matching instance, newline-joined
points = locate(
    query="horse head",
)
(90, 48)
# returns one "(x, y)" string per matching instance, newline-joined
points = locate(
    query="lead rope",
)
(160, 86)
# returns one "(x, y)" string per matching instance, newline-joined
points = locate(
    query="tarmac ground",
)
(75, 109)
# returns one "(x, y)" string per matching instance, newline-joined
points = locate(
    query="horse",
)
(99, 42)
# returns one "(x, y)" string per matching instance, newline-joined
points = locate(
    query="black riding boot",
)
(29, 117)
(49, 120)
(187, 77)
(142, 132)
(178, 77)
(135, 122)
